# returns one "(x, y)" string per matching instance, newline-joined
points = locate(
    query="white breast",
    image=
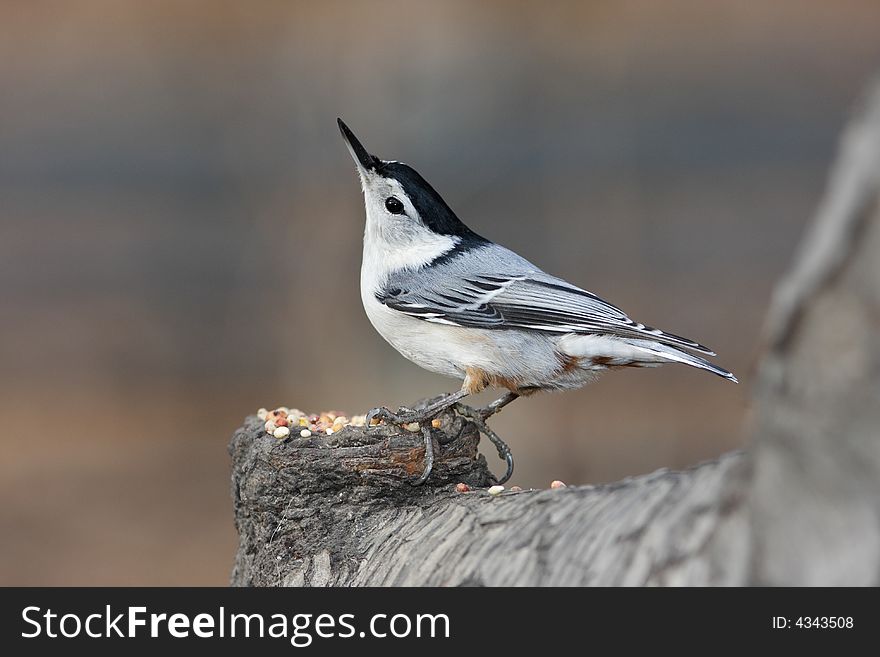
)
(431, 346)
(427, 345)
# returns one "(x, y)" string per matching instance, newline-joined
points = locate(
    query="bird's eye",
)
(393, 205)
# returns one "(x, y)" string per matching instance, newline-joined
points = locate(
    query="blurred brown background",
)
(180, 230)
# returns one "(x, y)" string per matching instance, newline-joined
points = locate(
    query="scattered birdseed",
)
(281, 433)
(436, 423)
(496, 490)
(515, 489)
(462, 488)
(557, 484)
(328, 422)
(305, 433)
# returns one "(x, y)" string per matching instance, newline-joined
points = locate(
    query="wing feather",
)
(531, 301)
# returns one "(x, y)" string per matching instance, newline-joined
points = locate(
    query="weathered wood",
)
(800, 506)
(342, 512)
(815, 494)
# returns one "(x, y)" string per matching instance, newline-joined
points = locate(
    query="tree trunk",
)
(800, 506)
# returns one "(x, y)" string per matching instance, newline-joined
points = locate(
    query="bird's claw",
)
(401, 418)
(378, 413)
(478, 416)
(429, 456)
(386, 415)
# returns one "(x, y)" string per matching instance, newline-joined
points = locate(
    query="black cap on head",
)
(367, 161)
(433, 210)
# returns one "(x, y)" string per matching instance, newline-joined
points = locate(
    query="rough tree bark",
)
(800, 506)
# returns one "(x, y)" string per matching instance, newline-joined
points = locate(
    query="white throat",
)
(382, 259)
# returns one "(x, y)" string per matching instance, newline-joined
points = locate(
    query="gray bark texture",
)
(801, 506)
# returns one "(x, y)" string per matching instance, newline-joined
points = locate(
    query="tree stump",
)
(801, 506)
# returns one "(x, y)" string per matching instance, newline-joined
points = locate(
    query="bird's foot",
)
(423, 416)
(423, 413)
(478, 417)
(402, 417)
(430, 410)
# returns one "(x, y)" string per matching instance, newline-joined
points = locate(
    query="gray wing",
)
(465, 294)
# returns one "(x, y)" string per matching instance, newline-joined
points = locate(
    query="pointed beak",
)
(359, 154)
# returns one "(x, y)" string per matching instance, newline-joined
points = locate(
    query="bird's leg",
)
(478, 417)
(490, 409)
(420, 415)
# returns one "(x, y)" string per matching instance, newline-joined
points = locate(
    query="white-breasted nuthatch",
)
(456, 303)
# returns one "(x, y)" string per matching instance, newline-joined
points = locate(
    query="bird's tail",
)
(657, 351)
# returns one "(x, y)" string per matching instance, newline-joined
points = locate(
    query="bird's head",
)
(403, 210)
